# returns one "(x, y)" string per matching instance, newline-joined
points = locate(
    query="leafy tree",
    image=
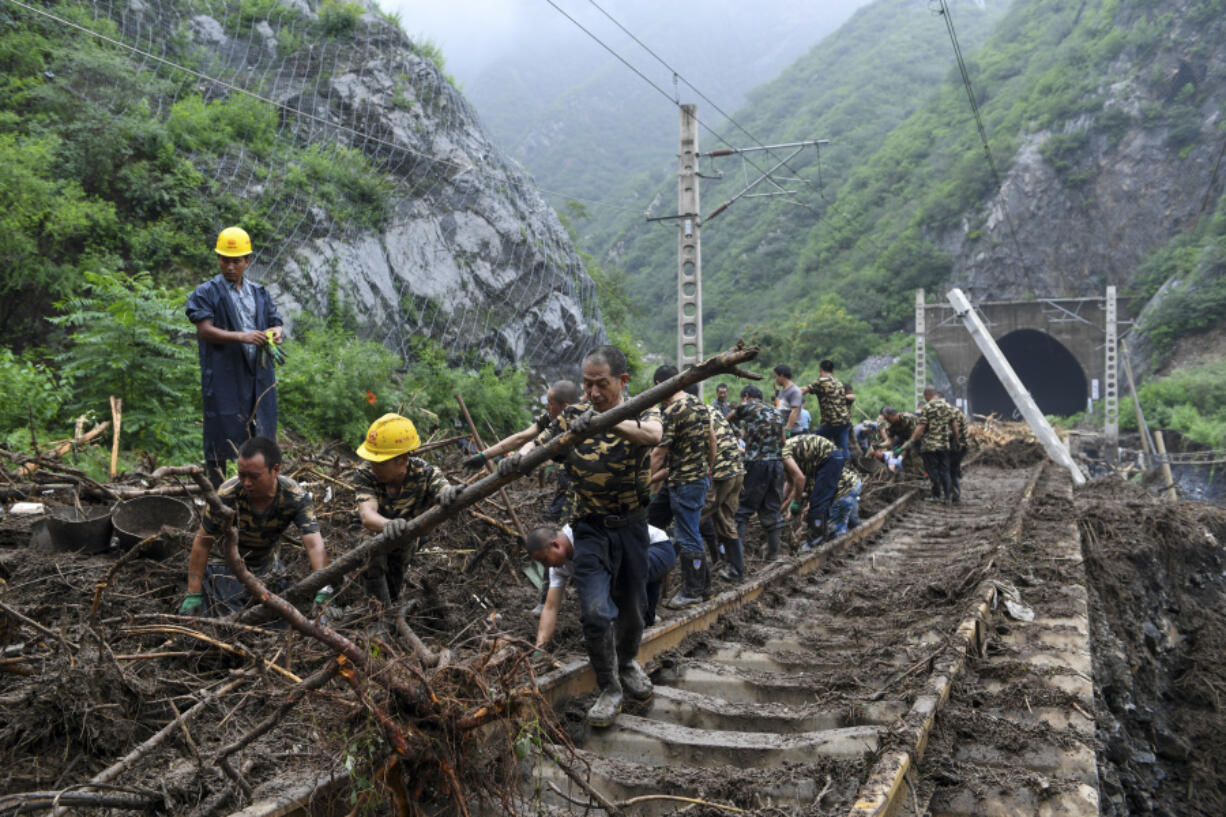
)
(129, 338)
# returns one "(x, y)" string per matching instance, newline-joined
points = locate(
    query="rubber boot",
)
(734, 570)
(634, 681)
(691, 590)
(772, 544)
(602, 652)
(817, 535)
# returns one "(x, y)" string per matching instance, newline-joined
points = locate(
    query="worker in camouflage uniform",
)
(812, 460)
(687, 452)
(957, 451)
(721, 403)
(845, 510)
(609, 475)
(266, 504)
(762, 490)
(933, 437)
(391, 488)
(834, 401)
(719, 512)
(560, 395)
(899, 428)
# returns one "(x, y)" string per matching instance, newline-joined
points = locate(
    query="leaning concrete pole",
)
(1021, 397)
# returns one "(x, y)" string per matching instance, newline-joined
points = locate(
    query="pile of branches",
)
(300, 705)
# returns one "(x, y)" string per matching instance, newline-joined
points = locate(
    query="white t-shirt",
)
(559, 576)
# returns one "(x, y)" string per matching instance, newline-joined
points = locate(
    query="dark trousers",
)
(557, 506)
(955, 470)
(762, 493)
(225, 594)
(385, 576)
(611, 580)
(837, 435)
(936, 463)
(825, 483)
(660, 509)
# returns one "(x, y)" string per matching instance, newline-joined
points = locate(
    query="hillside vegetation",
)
(116, 178)
(904, 197)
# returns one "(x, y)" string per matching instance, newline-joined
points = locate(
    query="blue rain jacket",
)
(230, 383)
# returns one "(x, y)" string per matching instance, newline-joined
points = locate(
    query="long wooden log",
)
(728, 362)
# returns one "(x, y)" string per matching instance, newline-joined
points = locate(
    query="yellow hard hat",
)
(389, 436)
(233, 242)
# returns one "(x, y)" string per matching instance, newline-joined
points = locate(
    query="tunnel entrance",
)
(1048, 370)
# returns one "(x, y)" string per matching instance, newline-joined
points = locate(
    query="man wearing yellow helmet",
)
(235, 318)
(392, 488)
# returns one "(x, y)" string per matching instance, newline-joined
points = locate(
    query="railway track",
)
(891, 671)
(824, 685)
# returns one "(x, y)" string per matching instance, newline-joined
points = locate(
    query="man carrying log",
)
(609, 474)
(267, 503)
(390, 490)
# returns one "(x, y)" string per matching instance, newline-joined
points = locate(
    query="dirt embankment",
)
(1157, 576)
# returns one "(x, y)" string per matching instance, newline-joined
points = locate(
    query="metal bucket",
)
(86, 531)
(143, 516)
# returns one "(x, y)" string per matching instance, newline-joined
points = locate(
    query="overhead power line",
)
(983, 133)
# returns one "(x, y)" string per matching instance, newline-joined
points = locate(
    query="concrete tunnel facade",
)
(1056, 346)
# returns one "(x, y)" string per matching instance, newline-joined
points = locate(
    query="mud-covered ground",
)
(1157, 575)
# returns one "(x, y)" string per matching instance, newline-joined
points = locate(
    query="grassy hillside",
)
(907, 168)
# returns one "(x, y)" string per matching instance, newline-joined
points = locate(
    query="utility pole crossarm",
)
(1013, 384)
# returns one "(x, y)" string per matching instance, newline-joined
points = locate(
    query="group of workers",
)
(700, 470)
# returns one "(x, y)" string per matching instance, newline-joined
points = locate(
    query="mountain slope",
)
(1104, 118)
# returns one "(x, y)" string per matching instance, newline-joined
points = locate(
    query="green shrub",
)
(130, 339)
(338, 19)
(31, 394)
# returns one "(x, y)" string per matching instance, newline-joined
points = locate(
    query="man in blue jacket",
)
(235, 319)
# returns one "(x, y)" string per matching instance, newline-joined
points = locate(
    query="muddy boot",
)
(608, 705)
(602, 652)
(817, 535)
(634, 681)
(734, 570)
(691, 590)
(772, 544)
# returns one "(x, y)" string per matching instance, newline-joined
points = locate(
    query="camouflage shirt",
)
(687, 437)
(258, 531)
(831, 400)
(608, 475)
(722, 407)
(848, 480)
(763, 429)
(902, 428)
(937, 416)
(728, 459)
(418, 493)
(958, 418)
(809, 451)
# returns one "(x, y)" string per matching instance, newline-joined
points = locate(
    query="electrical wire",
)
(983, 134)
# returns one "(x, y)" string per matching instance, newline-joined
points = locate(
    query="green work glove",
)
(193, 605)
(321, 611)
(325, 594)
(795, 506)
(474, 462)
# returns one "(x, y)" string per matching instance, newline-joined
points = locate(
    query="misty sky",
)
(473, 33)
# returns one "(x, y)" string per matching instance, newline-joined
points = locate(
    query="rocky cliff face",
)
(1083, 203)
(466, 251)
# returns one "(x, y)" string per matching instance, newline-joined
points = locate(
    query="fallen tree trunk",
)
(724, 363)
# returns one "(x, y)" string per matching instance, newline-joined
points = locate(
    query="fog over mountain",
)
(580, 120)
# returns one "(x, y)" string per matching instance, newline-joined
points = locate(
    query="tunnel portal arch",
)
(1048, 370)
